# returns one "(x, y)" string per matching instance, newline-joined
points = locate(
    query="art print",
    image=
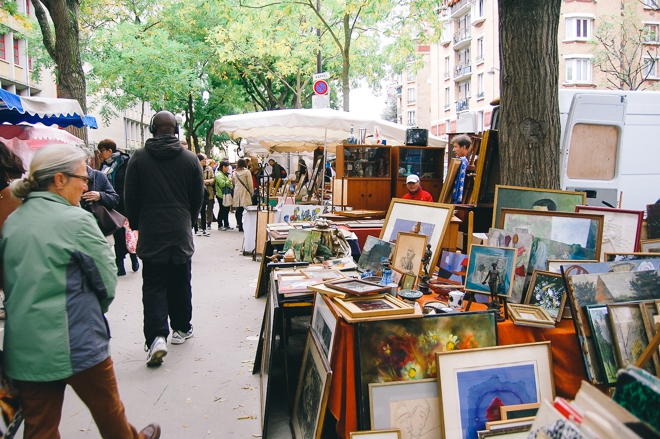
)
(629, 334)
(409, 406)
(408, 252)
(481, 263)
(373, 253)
(599, 324)
(547, 291)
(523, 243)
(539, 199)
(621, 228)
(404, 349)
(650, 246)
(452, 267)
(324, 325)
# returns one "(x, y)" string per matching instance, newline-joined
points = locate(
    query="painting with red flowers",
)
(400, 350)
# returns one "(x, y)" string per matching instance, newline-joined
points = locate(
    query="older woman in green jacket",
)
(223, 187)
(60, 278)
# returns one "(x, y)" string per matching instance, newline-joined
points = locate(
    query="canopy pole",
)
(325, 160)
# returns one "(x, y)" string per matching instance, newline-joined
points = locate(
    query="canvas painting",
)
(547, 291)
(481, 262)
(304, 243)
(373, 253)
(592, 289)
(408, 252)
(599, 323)
(539, 199)
(452, 267)
(653, 220)
(432, 220)
(410, 406)
(621, 228)
(324, 324)
(584, 267)
(523, 243)
(404, 349)
(629, 334)
(582, 233)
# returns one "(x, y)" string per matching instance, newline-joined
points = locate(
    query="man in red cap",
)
(415, 191)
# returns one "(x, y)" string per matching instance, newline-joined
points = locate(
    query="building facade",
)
(462, 75)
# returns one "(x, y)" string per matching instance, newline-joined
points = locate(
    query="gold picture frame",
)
(322, 274)
(530, 315)
(650, 246)
(373, 306)
(519, 411)
(409, 251)
(543, 289)
(376, 434)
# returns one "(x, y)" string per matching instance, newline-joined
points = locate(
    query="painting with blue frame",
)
(480, 262)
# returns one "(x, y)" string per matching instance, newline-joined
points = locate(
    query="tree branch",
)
(44, 24)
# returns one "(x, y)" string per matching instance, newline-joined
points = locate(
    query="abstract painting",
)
(481, 261)
(452, 267)
(621, 228)
(547, 291)
(599, 323)
(474, 384)
(410, 406)
(402, 350)
(523, 243)
(373, 253)
(629, 334)
(541, 199)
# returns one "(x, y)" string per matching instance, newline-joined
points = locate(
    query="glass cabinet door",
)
(366, 162)
(423, 162)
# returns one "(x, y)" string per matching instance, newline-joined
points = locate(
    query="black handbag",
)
(109, 219)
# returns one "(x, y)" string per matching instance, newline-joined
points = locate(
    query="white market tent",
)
(305, 129)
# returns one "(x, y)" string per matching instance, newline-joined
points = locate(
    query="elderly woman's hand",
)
(91, 196)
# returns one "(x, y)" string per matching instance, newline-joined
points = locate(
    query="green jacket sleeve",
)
(101, 271)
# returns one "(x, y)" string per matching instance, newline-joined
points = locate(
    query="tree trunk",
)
(346, 64)
(530, 126)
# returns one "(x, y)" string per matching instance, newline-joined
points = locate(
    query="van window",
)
(593, 152)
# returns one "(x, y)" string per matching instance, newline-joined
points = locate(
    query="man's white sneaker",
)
(180, 337)
(157, 351)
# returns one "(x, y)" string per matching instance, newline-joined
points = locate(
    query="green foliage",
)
(10, 6)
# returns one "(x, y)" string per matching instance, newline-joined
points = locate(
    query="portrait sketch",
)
(408, 252)
(416, 418)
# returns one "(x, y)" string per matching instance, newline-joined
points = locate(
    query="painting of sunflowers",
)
(400, 350)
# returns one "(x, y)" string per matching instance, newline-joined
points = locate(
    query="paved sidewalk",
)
(205, 387)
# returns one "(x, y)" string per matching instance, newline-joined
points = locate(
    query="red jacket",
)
(420, 195)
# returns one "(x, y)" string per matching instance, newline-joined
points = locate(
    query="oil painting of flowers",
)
(401, 350)
(547, 291)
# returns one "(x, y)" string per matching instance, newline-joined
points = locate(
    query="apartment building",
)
(462, 74)
(128, 130)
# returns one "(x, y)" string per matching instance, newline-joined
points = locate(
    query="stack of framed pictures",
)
(530, 315)
(359, 308)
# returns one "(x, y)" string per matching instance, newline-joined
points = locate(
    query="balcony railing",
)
(480, 95)
(462, 69)
(461, 35)
(462, 105)
(458, 6)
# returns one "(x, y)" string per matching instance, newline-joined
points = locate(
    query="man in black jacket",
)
(163, 196)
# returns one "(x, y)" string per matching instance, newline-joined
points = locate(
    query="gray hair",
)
(47, 162)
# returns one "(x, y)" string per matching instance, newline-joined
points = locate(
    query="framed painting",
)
(321, 274)
(410, 406)
(523, 243)
(473, 381)
(358, 287)
(376, 434)
(621, 228)
(312, 393)
(304, 243)
(450, 181)
(634, 256)
(289, 284)
(415, 342)
(530, 315)
(430, 219)
(324, 325)
(452, 267)
(373, 253)
(409, 251)
(267, 341)
(480, 263)
(649, 317)
(547, 290)
(599, 323)
(519, 411)
(557, 235)
(653, 220)
(408, 281)
(554, 265)
(630, 338)
(650, 246)
(517, 432)
(537, 199)
(373, 306)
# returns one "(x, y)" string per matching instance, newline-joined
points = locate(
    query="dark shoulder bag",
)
(109, 219)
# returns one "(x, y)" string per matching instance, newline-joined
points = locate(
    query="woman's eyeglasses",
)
(84, 179)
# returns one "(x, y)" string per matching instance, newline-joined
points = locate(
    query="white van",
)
(610, 146)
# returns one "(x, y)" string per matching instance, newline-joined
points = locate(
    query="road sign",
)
(320, 102)
(324, 75)
(321, 87)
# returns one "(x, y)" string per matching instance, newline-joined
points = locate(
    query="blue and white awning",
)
(15, 109)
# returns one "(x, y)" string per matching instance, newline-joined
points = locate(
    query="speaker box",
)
(417, 137)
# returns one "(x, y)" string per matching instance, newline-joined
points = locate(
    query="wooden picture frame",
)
(480, 262)
(390, 402)
(524, 243)
(628, 329)
(603, 341)
(408, 252)
(578, 234)
(518, 197)
(512, 373)
(547, 290)
(450, 181)
(358, 287)
(324, 325)
(530, 315)
(376, 434)
(407, 215)
(650, 246)
(505, 423)
(517, 432)
(554, 265)
(294, 284)
(518, 411)
(632, 256)
(649, 313)
(408, 281)
(373, 306)
(267, 341)
(312, 392)
(321, 274)
(622, 229)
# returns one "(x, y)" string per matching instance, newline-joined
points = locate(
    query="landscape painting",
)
(404, 349)
(304, 243)
(592, 289)
(629, 334)
(373, 253)
(599, 323)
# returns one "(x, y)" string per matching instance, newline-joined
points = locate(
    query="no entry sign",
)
(320, 87)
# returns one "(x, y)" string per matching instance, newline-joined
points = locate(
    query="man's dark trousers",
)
(166, 291)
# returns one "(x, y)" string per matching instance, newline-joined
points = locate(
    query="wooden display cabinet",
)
(367, 169)
(426, 162)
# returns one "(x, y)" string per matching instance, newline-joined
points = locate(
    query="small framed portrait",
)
(409, 251)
